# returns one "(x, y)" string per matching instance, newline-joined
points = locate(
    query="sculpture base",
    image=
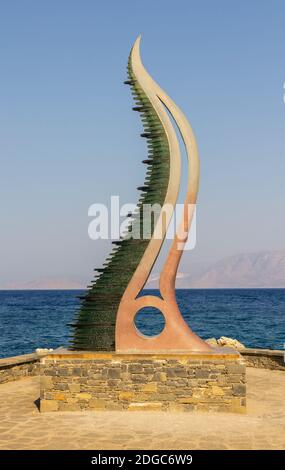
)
(76, 380)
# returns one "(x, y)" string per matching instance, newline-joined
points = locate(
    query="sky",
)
(68, 137)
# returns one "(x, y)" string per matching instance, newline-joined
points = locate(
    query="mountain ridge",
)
(265, 269)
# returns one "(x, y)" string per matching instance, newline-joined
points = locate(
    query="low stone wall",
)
(14, 368)
(264, 358)
(74, 381)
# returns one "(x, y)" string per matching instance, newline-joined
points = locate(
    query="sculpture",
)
(105, 320)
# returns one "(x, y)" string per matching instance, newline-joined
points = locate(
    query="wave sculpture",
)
(106, 318)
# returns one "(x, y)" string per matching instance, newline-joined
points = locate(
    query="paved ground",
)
(23, 427)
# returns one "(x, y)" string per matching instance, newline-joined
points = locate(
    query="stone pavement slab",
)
(263, 427)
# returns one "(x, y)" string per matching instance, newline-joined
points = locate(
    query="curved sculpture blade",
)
(176, 336)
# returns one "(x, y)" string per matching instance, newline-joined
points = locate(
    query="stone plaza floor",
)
(22, 426)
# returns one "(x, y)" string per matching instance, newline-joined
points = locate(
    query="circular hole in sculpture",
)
(149, 321)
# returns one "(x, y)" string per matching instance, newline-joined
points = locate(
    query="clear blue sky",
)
(68, 137)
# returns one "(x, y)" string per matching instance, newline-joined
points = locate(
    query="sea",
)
(39, 319)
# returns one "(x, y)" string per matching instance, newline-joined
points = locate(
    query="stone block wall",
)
(15, 368)
(18, 367)
(74, 381)
(264, 358)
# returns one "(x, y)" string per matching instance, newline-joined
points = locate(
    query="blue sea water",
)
(256, 317)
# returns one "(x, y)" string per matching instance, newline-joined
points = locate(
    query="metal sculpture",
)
(105, 320)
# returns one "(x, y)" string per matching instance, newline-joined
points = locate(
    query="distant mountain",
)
(264, 269)
(44, 283)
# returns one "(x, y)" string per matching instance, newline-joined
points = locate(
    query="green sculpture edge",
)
(94, 325)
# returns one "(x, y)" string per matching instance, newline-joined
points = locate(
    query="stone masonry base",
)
(75, 380)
